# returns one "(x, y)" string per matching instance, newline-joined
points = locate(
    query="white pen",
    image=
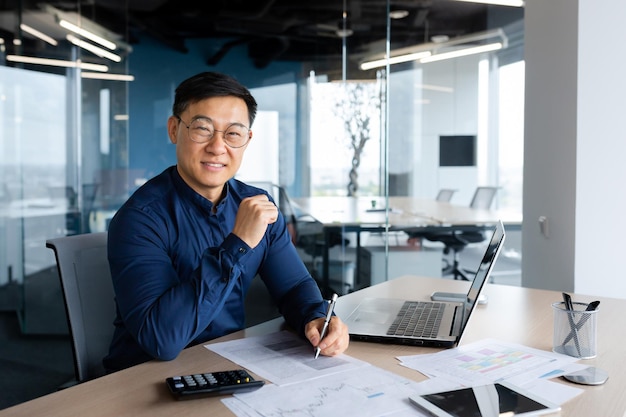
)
(329, 314)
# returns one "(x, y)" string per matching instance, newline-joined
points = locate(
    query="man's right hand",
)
(254, 215)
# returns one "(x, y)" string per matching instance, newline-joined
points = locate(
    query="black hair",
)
(211, 84)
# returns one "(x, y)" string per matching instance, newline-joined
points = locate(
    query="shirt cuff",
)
(236, 247)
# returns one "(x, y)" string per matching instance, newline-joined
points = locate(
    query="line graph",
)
(368, 391)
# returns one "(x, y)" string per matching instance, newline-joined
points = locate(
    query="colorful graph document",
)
(489, 361)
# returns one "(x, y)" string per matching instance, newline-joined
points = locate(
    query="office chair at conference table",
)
(445, 195)
(455, 240)
(89, 299)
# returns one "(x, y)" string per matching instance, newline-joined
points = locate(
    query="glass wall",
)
(362, 139)
(63, 155)
(452, 123)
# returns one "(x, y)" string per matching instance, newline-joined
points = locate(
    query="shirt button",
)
(242, 250)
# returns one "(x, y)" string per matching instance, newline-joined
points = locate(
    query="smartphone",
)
(490, 400)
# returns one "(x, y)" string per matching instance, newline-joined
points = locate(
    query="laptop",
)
(441, 323)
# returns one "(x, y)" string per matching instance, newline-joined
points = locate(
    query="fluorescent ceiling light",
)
(87, 34)
(462, 52)
(93, 48)
(38, 34)
(57, 63)
(429, 52)
(107, 76)
(394, 60)
(514, 3)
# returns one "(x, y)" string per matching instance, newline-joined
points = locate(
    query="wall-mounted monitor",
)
(457, 151)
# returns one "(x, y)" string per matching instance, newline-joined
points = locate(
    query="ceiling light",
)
(87, 34)
(394, 60)
(462, 52)
(57, 63)
(344, 33)
(436, 51)
(107, 76)
(38, 34)
(93, 48)
(398, 14)
(513, 3)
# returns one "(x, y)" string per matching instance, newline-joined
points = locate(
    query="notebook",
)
(386, 320)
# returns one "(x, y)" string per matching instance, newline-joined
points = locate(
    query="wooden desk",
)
(361, 214)
(513, 314)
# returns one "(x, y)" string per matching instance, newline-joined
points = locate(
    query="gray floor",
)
(32, 365)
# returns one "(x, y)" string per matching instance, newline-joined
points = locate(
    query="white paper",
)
(283, 358)
(363, 392)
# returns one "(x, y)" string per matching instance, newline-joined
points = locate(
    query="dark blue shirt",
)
(181, 276)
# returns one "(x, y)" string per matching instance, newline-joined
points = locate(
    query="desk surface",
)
(513, 314)
(403, 212)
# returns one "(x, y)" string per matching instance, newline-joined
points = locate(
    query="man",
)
(185, 247)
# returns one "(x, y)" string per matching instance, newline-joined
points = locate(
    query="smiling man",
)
(185, 247)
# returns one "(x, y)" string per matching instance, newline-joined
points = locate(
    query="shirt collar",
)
(190, 194)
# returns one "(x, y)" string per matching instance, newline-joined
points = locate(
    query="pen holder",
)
(575, 331)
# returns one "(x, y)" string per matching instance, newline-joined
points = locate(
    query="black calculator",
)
(212, 383)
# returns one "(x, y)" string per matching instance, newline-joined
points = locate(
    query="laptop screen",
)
(486, 264)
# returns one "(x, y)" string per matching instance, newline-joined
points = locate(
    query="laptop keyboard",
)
(418, 318)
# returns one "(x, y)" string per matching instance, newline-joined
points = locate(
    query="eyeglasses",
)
(201, 130)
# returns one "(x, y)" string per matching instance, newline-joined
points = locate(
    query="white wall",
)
(574, 146)
(260, 161)
(418, 116)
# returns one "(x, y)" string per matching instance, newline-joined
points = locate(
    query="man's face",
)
(206, 167)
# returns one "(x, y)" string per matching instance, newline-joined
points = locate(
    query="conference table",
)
(512, 314)
(339, 215)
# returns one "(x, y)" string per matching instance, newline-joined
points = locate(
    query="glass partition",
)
(358, 150)
(63, 151)
(385, 141)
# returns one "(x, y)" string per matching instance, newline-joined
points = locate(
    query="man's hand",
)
(254, 215)
(336, 340)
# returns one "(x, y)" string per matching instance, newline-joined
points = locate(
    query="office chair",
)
(456, 240)
(89, 299)
(445, 194)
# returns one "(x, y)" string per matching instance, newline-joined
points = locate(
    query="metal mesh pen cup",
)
(575, 331)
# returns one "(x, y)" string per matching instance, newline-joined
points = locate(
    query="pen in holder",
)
(575, 328)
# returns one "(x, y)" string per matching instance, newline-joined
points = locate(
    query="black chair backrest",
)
(89, 298)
